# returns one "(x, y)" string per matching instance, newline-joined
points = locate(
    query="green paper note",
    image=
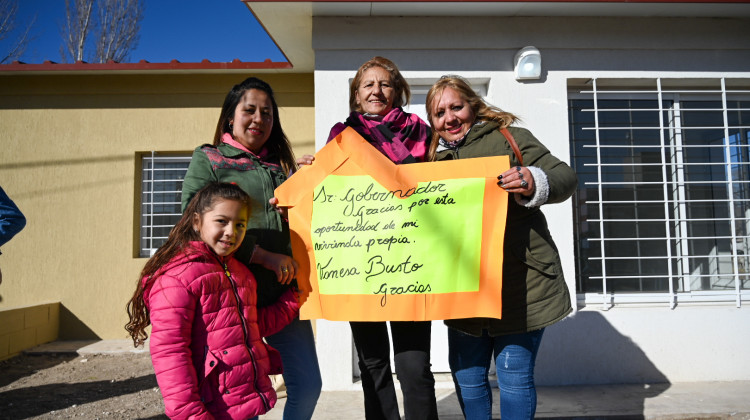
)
(368, 240)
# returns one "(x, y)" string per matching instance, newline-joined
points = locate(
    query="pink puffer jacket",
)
(206, 337)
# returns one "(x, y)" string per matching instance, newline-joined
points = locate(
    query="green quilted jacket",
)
(534, 291)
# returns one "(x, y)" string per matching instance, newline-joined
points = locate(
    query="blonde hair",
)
(481, 109)
(402, 93)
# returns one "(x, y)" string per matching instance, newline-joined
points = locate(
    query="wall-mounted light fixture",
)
(527, 64)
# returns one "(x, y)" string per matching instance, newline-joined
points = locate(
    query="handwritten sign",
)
(368, 240)
(378, 241)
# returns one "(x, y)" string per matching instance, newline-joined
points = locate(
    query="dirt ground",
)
(123, 386)
(84, 387)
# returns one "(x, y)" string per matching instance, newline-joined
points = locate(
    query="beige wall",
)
(68, 147)
(27, 327)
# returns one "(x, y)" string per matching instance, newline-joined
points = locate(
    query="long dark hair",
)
(277, 142)
(401, 91)
(481, 109)
(179, 237)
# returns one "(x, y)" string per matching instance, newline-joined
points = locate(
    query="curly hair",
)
(179, 238)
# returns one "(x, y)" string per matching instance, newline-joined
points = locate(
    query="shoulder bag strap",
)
(513, 144)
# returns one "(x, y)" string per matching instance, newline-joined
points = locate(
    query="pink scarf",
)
(228, 139)
(401, 136)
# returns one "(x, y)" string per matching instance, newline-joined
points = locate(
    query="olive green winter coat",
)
(534, 291)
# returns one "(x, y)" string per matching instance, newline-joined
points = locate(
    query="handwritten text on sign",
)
(369, 240)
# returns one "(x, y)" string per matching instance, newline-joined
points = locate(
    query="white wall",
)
(644, 344)
(647, 345)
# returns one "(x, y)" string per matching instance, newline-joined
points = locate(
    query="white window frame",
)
(419, 86)
(158, 187)
(659, 93)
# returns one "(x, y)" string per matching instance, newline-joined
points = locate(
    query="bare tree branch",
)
(8, 19)
(78, 16)
(8, 9)
(119, 24)
(113, 26)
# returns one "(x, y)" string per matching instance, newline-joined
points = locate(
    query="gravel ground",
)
(123, 386)
(84, 387)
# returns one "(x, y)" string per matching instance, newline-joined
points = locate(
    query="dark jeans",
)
(411, 349)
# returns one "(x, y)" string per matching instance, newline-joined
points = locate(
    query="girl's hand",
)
(283, 265)
(305, 160)
(517, 180)
(283, 211)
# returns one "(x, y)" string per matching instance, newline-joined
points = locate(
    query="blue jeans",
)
(515, 355)
(296, 343)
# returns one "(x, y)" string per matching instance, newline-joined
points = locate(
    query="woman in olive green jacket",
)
(534, 292)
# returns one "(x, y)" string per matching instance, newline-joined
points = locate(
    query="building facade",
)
(94, 157)
(649, 102)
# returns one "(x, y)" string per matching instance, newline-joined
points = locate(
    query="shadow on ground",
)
(15, 368)
(37, 400)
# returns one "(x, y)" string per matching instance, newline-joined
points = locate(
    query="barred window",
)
(161, 189)
(662, 211)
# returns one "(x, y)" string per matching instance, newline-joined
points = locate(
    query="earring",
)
(231, 127)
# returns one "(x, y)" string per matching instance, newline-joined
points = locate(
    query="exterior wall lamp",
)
(527, 64)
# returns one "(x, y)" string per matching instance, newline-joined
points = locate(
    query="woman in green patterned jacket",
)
(251, 150)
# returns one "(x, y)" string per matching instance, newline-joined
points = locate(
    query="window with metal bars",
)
(161, 189)
(662, 211)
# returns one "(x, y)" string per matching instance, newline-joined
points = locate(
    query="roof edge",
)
(142, 65)
(497, 1)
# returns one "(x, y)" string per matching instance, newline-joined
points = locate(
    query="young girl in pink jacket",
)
(206, 332)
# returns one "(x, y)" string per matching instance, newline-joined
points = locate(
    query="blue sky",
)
(186, 30)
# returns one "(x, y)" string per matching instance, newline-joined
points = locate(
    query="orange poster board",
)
(383, 242)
